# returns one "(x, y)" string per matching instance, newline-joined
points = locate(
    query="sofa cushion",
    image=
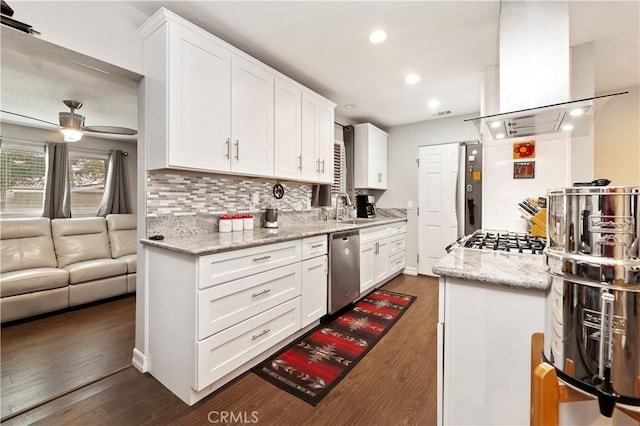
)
(95, 269)
(30, 280)
(79, 240)
(122, 232)
(26, 244)
(132, 261)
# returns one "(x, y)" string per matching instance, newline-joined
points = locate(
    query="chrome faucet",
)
(347, 204)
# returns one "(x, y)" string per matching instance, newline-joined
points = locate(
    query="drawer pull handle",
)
(262, 333)
(265, 291)
(317, 245)
(255, 259)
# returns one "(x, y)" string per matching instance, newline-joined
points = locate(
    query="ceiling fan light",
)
(70, 134)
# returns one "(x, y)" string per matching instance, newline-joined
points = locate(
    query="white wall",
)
(12, 132)
(617, 139)
(105, 30)
(403, 143)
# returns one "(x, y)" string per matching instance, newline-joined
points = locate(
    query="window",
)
(339, 168)
(88, 175)
(21, 180)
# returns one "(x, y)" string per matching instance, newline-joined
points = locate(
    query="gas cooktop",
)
(505, 241)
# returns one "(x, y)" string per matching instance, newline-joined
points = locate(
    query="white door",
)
(200, 118)
(251, 118)
(287, 144)
(437, 221)
(310, 160)
(367, 262)
(314, 289)
(325, 142)
(381, 261)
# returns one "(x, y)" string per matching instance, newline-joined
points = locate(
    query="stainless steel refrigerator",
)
(469, 188)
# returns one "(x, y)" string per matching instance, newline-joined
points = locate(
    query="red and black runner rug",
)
(311, 366)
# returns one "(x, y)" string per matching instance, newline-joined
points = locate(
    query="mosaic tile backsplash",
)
(181, 203)
(185, 194)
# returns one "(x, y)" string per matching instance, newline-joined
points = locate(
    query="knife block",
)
(539, 224)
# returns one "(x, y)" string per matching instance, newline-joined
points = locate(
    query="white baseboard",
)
(140, 361)
(410, 271)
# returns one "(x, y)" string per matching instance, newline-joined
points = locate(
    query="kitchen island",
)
(490, 303)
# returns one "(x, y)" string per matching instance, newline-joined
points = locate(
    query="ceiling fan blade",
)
(110, 129)
(30, 118)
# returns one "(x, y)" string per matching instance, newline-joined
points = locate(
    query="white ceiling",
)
(324, 45)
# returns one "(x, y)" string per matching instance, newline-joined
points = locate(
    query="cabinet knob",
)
(318, 165)
(228, 154)
(237, 150)
(323, 166)
(300, 161)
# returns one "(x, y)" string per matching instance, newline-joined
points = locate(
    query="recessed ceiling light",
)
(496, 124)
(350, 106)
(576, 112)
(377, 36)
(567, 127)
(412, 78)
(433, 103)
(500, 136)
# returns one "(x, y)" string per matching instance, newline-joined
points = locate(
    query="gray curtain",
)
(116, 189)
(57, 185)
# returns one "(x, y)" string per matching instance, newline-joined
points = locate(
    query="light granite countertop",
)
(497, 267)
(216, 242)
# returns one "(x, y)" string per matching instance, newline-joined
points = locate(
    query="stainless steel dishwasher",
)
(344, 262)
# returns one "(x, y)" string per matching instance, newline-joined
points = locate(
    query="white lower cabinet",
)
(314, 289)
(212, 317)
(315, 270)
(223, 352)
(382, 254)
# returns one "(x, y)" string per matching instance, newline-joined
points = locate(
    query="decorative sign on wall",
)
(524, 169)
(524, 149)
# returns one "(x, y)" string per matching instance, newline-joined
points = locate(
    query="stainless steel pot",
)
(592, 330)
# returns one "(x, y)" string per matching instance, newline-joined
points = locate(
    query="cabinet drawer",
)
(222, 353)
(397, 228)
(397, 262)
(314, 246)
(227, 304)
(397, 244)
(222, 267)
(373, 233)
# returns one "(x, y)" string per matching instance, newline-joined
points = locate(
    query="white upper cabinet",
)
(288, 148)
(187, 98)
(251, 118)
(370, 157)
(317, 139)
(211, 107)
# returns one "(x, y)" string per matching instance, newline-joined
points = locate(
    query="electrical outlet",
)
(255, 197)
(409, 205)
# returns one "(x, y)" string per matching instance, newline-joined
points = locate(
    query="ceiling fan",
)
(72, 126)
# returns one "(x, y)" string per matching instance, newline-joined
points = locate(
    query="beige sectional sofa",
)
(47, 265)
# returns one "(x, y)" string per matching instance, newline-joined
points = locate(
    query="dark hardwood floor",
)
(48, 356)
(395, 384)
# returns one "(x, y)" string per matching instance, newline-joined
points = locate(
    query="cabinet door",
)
(251, 118)
(310, 159)
(377, 158)
(367, 259)
(381, 261)
(314, 289)
(287, 120)
(325, 142)
(199, 107)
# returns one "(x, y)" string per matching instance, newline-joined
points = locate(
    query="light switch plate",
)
(409, 205)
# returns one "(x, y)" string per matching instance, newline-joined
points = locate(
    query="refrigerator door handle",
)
(459, 206)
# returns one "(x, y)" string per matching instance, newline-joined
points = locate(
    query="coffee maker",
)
(365, 205)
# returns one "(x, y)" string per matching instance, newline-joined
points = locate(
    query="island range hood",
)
(572, 116)
(534, 77)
